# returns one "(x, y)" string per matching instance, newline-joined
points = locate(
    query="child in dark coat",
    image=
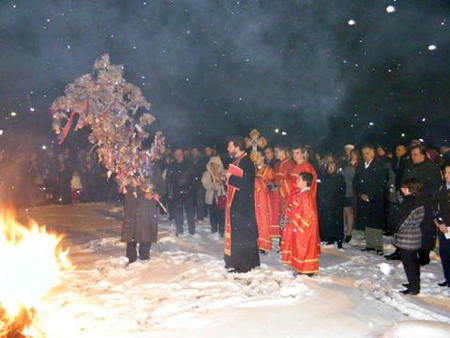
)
(407, 233)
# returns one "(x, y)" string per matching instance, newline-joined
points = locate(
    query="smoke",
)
(215, 68)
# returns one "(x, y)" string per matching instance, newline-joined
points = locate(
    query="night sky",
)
(324, 72)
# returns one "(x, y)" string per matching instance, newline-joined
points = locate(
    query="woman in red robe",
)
(263, 209)
(300, 247)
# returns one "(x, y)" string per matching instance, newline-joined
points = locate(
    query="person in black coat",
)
(331, 202)
(430, 175)
(140, 223)
(442, 220)
(180, 181)
(369, 184)
(241, 231)
(398, 165)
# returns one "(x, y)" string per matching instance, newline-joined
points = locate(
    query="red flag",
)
(66, 129)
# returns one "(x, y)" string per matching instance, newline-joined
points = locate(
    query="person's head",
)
(281, 152)
(215, 163)
(187, 154)
(195, 152)
(332, 167)
(299, 153)
(178, 154)
(236, 145)
(208, 151)
(310, 153)
(348, 149)
(381, 151)
(269, 154)
(368, 153)
(411, 186)
(447, 173)
(354, 156)
(418, 154)
(400, 150)
(259, 158)
(328, 158)
(304, 180)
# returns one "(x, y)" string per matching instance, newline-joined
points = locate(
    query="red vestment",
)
(292, 183)
(282, 171)
(300, 247)
(263, 208)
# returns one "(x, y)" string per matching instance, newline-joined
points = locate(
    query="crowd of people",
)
(259, 200)
(53, 177)
(291, 199)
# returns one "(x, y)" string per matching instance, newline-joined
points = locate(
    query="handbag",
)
(222, 202)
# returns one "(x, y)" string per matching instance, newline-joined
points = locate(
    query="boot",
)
(395, 256)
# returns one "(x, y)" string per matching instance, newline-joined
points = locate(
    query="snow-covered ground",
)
(184, 289)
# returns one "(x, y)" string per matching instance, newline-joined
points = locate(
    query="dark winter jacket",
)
(398, 166)
(180, 180)
(331, 207)
(430, 176)
(140, 223)
(370, 181)
(441, 205)
(407, 223)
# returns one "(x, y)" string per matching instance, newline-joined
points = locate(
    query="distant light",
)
(424, 119)
(371, 124)
(283, 133)
(390, 9)
(1, 132)
(277, 130)
(351, 22)
(432, 47)
(421, 140)
(31, 109)
(13, 114)
(403, 135)
(44, 147)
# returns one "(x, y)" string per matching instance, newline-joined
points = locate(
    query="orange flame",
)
(31, 263)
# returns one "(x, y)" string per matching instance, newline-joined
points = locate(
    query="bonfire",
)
(32, 262)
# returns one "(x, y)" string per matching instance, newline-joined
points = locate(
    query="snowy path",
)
(184, 290)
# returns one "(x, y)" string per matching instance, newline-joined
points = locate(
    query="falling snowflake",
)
(390, 9)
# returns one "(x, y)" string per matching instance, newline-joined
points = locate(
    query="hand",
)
(443, 228)
(365, 198)
(227, 175)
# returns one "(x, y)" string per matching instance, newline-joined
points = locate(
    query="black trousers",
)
(444, 252)
(411, 264)
(200, 206)
(144, 251)
(180, 205)
(217, 219)
(424, 256)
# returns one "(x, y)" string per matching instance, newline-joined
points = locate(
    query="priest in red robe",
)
(278, 196)
(300, 247)
(263, 208)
